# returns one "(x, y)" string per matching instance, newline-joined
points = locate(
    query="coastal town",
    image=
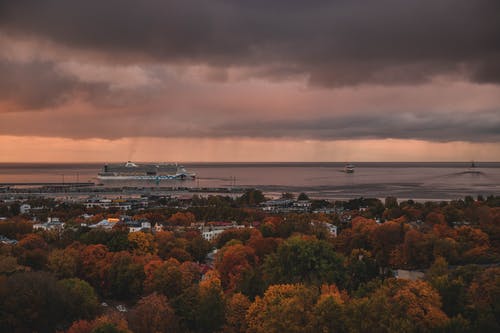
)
(219, 260)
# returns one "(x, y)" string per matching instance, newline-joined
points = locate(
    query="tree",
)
(283, 308)
(417, 249)
(329, 313)
(153, 314)
(179, 254)
(181, 218)
(385, 239)
(210, 312)
(94, 265)
(306, 261)
(13, 228)
(81, 298)
(236, 310)
(263, 246)
(33, 251)
(110, 323)
(198, 247)
(233, 262)
(251, 197)
(125, 276)
(33, 301)
(141, 243)
(9, 265)
(63, 263)
(302, 196)
(484, 293)
(166, 278)
(435, 218)
(391, 202)
(165, 241)
(397, 306)
(361, 267)
(452, 290)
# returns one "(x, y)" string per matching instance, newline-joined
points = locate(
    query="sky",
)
(239, 80)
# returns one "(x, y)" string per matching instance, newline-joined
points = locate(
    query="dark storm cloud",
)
(43, 85)
(481, 126)
(474, 127)
(36, 85)
(334, 42)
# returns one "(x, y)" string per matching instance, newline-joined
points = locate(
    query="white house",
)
(53, 223)
(25, 208)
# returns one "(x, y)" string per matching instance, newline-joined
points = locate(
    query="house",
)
(105, 224)
(276, 205)
(134, 226)
(25, 208)
(302, 205)
(7, 241)
(331, 228)
(52, 224)
(212, 234)
(212, 230)
(158, 227)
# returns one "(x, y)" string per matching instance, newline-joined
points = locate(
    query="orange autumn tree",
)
(329, 313)
(236, 309)
(152, 314)
(112, 322)
(142, 243)
(283, 308)
(397, 306)
(210, 310)
(233, 262)
(166, 278)
(180, 218)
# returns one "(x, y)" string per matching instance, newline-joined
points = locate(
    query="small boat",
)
(349, 168)
(473, 169)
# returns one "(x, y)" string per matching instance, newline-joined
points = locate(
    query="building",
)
(212, 234)
(212, 230)
(108, 223)
(25, 208)
(7, 241)
(134, 226)
(286, 206)
(52, 224)
(118, 203)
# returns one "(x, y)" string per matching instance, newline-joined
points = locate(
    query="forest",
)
(277, 272)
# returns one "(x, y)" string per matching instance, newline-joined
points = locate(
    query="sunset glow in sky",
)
(239, 80)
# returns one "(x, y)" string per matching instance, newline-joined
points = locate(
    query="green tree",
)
(210, 312)
(125, 277)
(251, 197)
(302, 196)
(81, 298)
(33, 302)
(300, 260)
(63, 263)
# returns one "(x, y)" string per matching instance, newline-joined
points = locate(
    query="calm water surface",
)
(404, 180)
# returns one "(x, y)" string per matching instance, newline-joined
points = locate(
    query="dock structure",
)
(73, 184)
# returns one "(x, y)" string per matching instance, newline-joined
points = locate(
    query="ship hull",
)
(162, 177)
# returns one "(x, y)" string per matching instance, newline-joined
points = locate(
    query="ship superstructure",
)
(349, 168)
(133, 171)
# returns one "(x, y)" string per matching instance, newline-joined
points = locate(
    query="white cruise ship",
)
(133, 171)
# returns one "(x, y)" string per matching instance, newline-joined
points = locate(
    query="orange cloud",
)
(50, 149)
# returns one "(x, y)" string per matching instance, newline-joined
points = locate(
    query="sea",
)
(418, 181)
